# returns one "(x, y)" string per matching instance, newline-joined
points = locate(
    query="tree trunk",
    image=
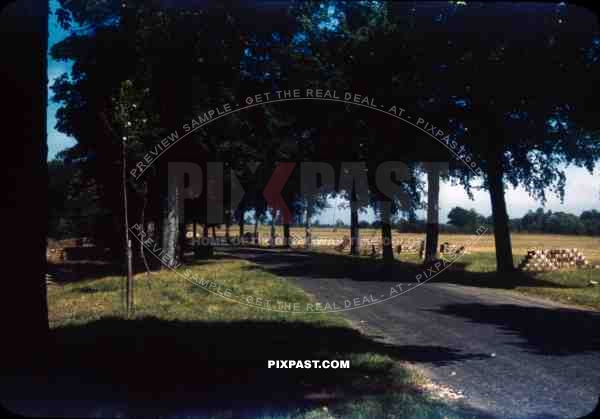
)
(256, 223)
(170, 223)
(504, 256)
(286, 235)
(214, 233)
(195, 229)
(205, 231)
(23, 305)
(227, 226)
(354, 229)
(182, 236)
(307, 228)
(433, 201)
(386, 232)
(272, 238)
(241, 224)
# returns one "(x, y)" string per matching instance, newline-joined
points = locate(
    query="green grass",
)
(567, 286)
(573, 287)
(189, 336)
(479, 269)
(170, 296)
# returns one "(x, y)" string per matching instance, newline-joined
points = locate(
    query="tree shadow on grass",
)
(83, 270)
(306, 265)
(154, 365)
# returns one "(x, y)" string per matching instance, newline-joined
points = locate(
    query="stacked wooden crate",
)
(344, 244)
(55, 255)
(568, 258)
(553, 259)
(447, 248)
(58, 251)
(412, 247)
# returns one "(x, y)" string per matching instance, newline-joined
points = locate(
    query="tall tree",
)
(509, 122)
(23, 305)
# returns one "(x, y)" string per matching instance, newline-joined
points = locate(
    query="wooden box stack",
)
(414, 247)
(344, 244)
(553, 259)
(446, 248)
(58, 251)
(55, 255)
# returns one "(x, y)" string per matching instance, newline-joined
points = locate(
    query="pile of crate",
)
(55, 255)
(411, 247)
(553, 259)
(343, 245)
(59, 251)
(454, 249)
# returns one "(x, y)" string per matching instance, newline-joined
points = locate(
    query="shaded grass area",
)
(189, 352)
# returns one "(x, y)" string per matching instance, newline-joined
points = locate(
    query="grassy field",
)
(183, 341)
(568, 286)
(205, 349)
(484, 244)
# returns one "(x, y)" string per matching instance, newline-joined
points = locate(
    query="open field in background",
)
(217, 350)
(485, 243)
(571, 286)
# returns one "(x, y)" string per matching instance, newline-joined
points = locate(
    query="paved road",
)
(511, 356)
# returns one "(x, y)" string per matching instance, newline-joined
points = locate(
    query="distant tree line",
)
(461, 220)
(587, 223)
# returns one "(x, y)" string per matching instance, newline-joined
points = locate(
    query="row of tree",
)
(175, 64)
(587, 223)
(539, 221)
(467, 221)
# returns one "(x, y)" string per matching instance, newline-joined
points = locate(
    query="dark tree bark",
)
(256, 223)
(241, 223)
(194, 229)
(386, 232)
(433, 200)
(227, 225)
(182, 236)
(205, 231)
(286, 235)
(504, 256)
(23, 83)
(354, 229)
(170, 222)
(307, 227)
(272, 238)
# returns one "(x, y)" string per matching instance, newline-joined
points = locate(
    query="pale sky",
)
(582, 193)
